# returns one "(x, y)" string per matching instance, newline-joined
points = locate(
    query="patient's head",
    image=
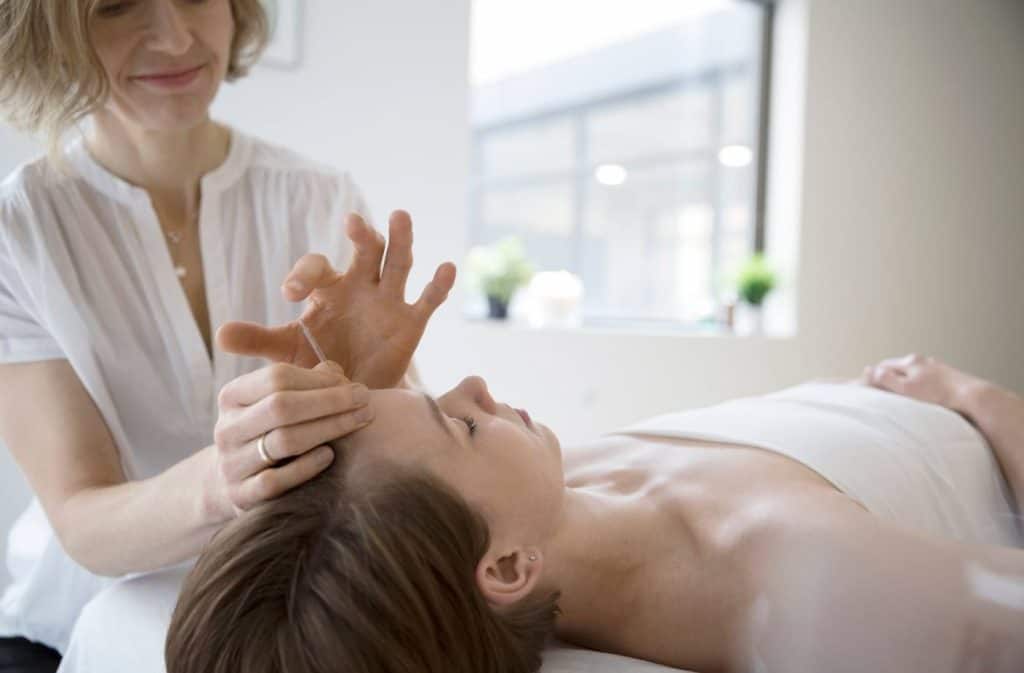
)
(408, 554)
(507, 468)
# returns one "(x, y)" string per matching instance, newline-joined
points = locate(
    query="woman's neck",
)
(598, 548)
(167, 164)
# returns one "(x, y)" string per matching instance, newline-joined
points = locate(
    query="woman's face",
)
(509, 469)
(164, 59)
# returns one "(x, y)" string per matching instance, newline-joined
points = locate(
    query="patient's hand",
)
(923, 378)
(359, 317)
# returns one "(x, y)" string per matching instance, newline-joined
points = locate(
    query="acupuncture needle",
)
(312, 342)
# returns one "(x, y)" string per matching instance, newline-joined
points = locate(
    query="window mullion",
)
(580, 188)
(717, 110)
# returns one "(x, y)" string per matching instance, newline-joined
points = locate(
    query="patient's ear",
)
(507, 578)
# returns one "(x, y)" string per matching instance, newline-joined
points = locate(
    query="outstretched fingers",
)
(398, 261)
(369, 249)
(436, 291)
(889, 378)
(252, 339)
(311, 272)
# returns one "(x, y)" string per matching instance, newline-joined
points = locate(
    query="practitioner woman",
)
(845, 527)
(120, 254)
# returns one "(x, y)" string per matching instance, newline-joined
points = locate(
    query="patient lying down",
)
(456, 536)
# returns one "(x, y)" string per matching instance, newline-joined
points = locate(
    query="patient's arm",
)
(855, 593)
(998, 413)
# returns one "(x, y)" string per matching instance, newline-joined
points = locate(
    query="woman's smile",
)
(170, 80)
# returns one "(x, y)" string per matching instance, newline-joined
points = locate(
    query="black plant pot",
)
(497, 309)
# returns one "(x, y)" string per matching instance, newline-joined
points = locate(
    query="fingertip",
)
(890, 379)
(331, 367)
(325, 455)
(218, 336)
(293, 291)
(227, 335)
(400, 215)
(454, 270)
(355, 220)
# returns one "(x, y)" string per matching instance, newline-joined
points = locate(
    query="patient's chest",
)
(667, 469)
(703, 513)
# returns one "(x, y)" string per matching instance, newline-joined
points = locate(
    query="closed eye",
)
(113, 8)
(442, 419)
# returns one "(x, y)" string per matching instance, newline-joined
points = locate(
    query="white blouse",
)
(86, 275)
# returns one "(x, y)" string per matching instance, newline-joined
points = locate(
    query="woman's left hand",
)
(359, 317)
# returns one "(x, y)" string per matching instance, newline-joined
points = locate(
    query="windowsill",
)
(628, 328)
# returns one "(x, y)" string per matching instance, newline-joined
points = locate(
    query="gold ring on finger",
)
(261, 446)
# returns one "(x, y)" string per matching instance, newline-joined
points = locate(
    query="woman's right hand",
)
(923, 378)
(300, 410)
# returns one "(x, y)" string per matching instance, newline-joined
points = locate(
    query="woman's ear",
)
(507, 579)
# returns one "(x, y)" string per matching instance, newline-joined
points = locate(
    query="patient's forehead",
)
(401, 422)
(390, 403)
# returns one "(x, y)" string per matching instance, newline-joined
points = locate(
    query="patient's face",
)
(509, 469)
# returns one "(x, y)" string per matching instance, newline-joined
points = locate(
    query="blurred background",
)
(872, 151)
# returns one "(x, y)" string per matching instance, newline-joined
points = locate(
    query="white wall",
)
(14, 490)
(899, 159)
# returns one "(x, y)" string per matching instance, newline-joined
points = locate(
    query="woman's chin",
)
(170, 113)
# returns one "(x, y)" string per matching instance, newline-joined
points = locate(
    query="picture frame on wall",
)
(284, 47)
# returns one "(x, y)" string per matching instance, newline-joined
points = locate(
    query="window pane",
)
(648, 244)
(621, 147)
(737, 187)
(740, 108)
(541, 216)
(539, 148)
(652, 126)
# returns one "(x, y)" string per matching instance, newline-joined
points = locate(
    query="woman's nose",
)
(476, 387)
(168, 28)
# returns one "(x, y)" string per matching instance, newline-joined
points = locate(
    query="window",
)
(622, 141)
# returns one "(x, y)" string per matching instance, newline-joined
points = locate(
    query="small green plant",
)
(755, 280)
(499, 269)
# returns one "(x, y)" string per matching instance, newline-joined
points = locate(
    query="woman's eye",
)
(114, 8)
(471, 424)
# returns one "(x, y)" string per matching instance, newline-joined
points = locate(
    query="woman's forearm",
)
(138, 526)
(999, 415)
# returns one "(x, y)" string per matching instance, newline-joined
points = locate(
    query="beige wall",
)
(898, 157)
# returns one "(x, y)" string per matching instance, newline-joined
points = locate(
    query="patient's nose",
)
(476, 388)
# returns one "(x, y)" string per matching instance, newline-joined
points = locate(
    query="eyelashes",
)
(113, 8)
(471, 424)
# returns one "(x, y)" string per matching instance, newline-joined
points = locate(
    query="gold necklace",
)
(175, 238)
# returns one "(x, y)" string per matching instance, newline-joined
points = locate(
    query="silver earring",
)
(533, 557)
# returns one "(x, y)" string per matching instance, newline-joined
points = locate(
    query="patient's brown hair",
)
(331, 578)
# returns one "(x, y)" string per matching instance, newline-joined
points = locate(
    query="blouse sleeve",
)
(22, 338)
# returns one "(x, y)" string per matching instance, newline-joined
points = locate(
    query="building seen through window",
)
(620, 141)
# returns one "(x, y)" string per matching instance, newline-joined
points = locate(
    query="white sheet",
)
(122, 630)
(916, 464)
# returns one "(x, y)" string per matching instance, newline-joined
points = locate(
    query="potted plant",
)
(755, 281)
(498, 270)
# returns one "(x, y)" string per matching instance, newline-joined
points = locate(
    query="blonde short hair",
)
(51, 76)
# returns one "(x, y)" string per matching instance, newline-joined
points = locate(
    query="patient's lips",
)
(523, 414)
